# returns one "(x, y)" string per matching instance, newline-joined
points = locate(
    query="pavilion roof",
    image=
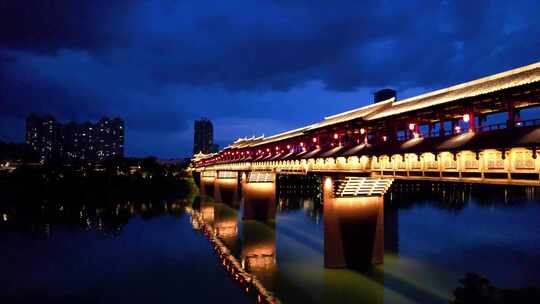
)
(388, 108)
(358, 113)
(282, 136)
(505, 80)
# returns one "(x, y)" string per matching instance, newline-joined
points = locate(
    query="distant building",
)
(43, 134)
(84, 142)
(203, 140)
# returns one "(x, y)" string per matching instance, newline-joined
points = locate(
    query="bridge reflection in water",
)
(258, 254)
(243, 215)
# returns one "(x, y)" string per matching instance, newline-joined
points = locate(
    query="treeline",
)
(112, 182)
(21, 152)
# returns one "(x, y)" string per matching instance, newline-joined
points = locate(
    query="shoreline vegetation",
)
(479, 290)
(114, 181)
(37, 198)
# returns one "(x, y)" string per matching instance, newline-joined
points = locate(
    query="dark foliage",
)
(19, 152)
(478, 290)
(113, 181)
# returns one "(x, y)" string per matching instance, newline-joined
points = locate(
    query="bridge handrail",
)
(486, 128)
(528, 123)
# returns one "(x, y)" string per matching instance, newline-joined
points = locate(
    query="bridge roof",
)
(388, 108)
(505, 80)
(245, 142)
(359, 113)
(283, 136)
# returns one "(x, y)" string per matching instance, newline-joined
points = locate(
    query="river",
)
(140, 252)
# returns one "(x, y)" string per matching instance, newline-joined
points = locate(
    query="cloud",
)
(161, 64)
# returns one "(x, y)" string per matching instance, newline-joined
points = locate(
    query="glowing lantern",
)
(301, 144)
(362, 131)
(336, 136)
(267, 149)
(288, 146)
(458, 129)
(411, 126)
(314, 139)
(466, 117)
(384, 138)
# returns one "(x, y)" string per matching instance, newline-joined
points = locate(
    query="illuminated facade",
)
(43, 135)
(86, 142)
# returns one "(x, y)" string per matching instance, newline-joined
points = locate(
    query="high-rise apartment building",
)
(203, 140)
(86, 142)
(43, 135)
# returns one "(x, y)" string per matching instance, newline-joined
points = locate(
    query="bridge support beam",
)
(353, 229)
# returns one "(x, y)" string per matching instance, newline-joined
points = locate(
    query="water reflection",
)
(39, 220)
(259, 251)
(252, 268)
(427, 234)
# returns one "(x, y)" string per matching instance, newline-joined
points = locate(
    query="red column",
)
(472, 126)
(366, 136)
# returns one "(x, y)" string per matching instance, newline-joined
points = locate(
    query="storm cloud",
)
(274, 64)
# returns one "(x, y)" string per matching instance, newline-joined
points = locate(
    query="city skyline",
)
(282, 66)
(84, 142)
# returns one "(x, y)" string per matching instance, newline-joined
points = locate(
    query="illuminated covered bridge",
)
(482, 131)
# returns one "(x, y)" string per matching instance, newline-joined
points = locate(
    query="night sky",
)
(252, 67)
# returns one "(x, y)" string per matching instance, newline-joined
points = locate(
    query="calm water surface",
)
(150, 252)
(134, 253)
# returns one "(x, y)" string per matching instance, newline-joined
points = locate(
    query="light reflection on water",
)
(433, 235)
(126, 252)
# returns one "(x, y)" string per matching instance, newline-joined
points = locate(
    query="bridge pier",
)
(353, 229)
(207, 182)
(226, 188)
(259, 196)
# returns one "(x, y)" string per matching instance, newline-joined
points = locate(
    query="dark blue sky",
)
(252, 67)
